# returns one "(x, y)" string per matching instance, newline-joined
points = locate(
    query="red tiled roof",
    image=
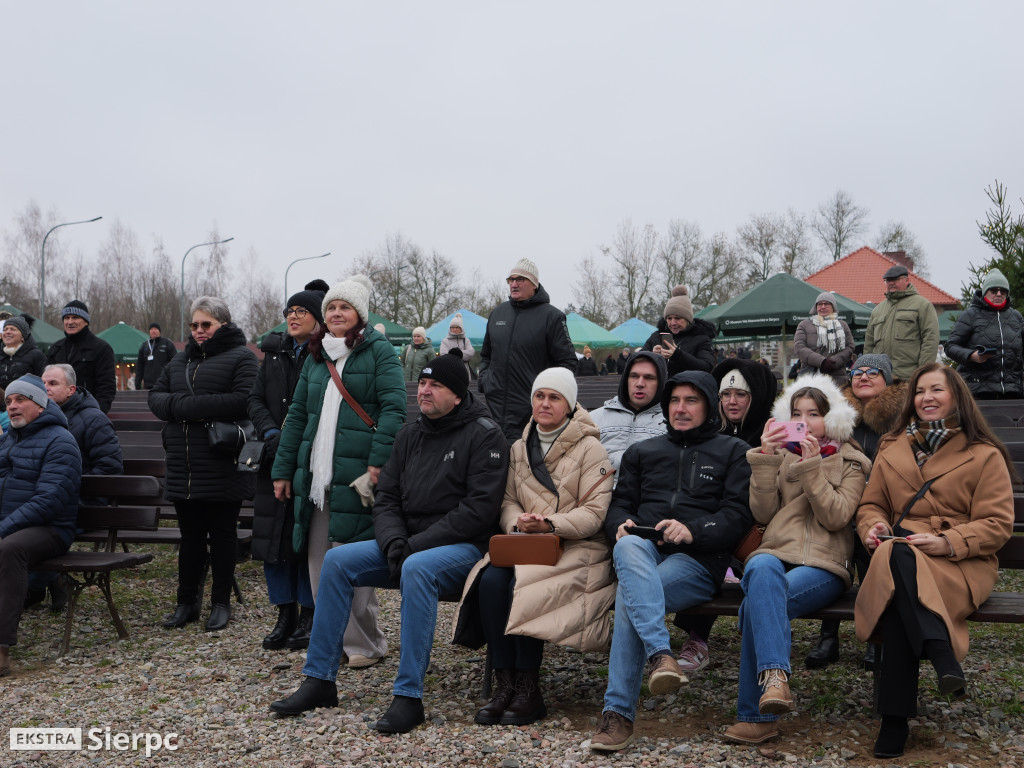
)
(858, 276)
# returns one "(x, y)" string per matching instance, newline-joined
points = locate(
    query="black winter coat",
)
(93, 361)
(523, 338)
(268, 403)
(586, 366)
(148, 371)
(28, 359)
(95, 435)
(699, 477)
(444, 482)
(981, 325)
(764, 389)
(222, 372)
(694, 348)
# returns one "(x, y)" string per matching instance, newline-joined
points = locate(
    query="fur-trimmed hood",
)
(881, 414)
(841, 417)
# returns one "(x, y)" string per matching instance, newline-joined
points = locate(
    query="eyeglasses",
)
(299, 312)
(517, 279)
(205, 325)
(1000, 291)
(871, 373)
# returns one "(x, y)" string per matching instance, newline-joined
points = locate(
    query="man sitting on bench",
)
(438, 503)
(40, 473)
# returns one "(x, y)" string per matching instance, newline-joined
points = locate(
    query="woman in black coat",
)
(685, 343)
(208, 382)
(287, 574)
(20, 355)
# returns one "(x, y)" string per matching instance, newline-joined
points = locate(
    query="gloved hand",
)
(398, 550)
(828, 365)
(364, 488)
(270, 443)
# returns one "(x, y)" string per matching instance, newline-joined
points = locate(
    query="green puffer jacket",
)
(414, 359)
(373, 375)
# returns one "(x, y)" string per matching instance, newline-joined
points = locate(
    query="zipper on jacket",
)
(1002, 358)
(188, 458)
(512, 333)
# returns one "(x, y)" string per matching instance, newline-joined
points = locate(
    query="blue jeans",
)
(288, 582)
(651, 584)
(774, 594)
(425, 576)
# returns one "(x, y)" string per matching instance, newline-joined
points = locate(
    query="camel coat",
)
(567, 603)
(970, 503)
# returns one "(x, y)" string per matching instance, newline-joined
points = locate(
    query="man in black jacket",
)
(525, 335)
(438, 503)
(90, 356)
(154, 354)
(692, 486)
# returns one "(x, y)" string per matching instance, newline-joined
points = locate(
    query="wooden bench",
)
(110, 521)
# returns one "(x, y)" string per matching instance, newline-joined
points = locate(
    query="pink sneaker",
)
(730, 577)
(693, 656)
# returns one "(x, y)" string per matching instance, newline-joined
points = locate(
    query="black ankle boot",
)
(183, 614)
(827, 649)
(287, 617)
(947, 669)
(870, 660)
(311, 694)
(404, 714)
(220, 614)
(303, 627)
(504, 690)
(892, 736)
(527, 706)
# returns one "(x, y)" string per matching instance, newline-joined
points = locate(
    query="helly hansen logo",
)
(496, 455)
(449, 455)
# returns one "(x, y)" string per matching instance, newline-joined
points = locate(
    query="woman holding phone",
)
(806, 481)
(683, 341)
(942, 486)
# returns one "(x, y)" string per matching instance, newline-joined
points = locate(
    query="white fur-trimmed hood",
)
(841, 417)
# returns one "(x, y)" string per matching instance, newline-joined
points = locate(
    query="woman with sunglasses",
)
(986, 341)
(209, 381)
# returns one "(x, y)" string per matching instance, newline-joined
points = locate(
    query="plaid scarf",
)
(831, 337)
(928, 436)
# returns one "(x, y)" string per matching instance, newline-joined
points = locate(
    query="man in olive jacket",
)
(904, 326)
(438, 503)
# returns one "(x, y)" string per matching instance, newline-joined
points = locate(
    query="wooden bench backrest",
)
(126, 518)
(119, 488)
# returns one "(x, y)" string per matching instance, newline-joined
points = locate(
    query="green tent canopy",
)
(397, 334)
(43, 333)
(125, 341)
(583, 331)
(947, 320)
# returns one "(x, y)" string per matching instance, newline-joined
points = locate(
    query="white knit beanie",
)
(526, 268)
(559, 379)
(356, 291)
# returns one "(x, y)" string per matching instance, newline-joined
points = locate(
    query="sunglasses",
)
(871, 373)
(299, 312)
(205, 325)
(1000, 291)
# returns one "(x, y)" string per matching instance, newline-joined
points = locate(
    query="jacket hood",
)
(228, 336)
(910, 290)
(539, 297)
(763, 388)
(703, 381)
(841, 417)
(659, 364)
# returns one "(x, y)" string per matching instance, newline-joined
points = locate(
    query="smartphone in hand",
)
(796, 431)
(646, 532)
(666, 339)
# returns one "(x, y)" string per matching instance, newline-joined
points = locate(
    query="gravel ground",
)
(214, 691)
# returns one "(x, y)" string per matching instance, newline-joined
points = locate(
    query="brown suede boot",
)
(504, 691)
(527, 705)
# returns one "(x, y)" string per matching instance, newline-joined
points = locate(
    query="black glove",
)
(828, 365)
(398, 550)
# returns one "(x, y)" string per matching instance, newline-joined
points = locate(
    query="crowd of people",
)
(879, 467)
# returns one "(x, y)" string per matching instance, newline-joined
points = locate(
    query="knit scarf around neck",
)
(831, 337)
(321, 460)
(926, 437)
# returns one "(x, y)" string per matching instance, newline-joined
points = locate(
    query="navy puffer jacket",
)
(40, 474)
(95, 435)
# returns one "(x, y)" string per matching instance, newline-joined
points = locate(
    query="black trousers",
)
(201, 521)
(906, 626)
(507, 651)
(19, 551)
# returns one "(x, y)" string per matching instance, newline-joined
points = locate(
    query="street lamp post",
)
(42, 262)
(200, 245)
(304, 258)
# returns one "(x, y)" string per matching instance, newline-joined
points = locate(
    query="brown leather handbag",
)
(750, 542)
(508, 549)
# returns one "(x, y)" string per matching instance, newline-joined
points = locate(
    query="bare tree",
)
(261, 304)
(481, 297)
(796, 256)
(894, 236)
(22, 254)
(387, 266)
(432, 290)
(680, 254)
(208, 272)
(838, 223)
(633, 254)
(590, 292)
(720, 276)
(113, 292)
(760, 239)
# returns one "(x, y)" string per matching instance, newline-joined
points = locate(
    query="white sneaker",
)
(693, 656)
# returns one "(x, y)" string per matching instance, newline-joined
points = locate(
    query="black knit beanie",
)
(450, 371)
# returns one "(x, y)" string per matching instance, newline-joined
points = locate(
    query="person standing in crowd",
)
(208, 382)
(942, 488)
(285, 570)
(685, 343)
(586, 365)
(987, 342)
(154, 354)
(559, 481)
(622, 360)
(806, 493)
(90, 356)
(634, 414)
(524, 336)
(904, 326)
(457, 339)
(608, 366)
(333, 446)
(823, 342)
(417, 354)
(20, 353)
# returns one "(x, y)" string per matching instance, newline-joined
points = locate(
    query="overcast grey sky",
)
(493, 131)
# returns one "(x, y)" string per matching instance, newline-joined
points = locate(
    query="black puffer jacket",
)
(222, 372)
(982, 325)
(763, 390)
(27, 359)
(268, 405)
(694, 348)
(93, 361)
(699, 477)
(523, 338)
(444, 482)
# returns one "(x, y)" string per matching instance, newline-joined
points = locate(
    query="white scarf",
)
(321, 461)
(831, 337)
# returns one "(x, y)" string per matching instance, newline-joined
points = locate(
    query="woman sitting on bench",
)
(938, 508)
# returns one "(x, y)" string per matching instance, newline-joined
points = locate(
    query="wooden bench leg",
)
(103, 582)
